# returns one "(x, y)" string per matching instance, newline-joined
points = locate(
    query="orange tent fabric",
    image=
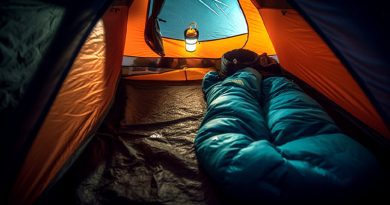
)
(303, 53)
(82, 102)
(258, 39)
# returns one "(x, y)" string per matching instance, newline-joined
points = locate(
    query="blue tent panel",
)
(216, 19)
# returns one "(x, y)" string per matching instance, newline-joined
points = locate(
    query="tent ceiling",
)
(215, 19)
(255, 38)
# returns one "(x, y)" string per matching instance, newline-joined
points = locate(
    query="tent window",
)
(216, 19)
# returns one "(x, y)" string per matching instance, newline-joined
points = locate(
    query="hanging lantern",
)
(191, 35)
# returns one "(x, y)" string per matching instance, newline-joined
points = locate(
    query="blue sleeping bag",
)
(267, 141)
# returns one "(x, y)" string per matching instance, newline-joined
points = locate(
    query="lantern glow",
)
(191, 36)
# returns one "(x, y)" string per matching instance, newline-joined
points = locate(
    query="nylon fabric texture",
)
(277, 147)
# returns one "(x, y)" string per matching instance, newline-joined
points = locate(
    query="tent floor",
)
(143, 153)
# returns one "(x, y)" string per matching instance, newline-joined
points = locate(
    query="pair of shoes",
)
(235, 60)
(268, 66)
(238, 59)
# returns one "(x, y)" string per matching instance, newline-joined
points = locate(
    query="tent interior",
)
(107, 101)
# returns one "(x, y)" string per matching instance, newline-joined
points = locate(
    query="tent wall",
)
(257, 39)
(78, 109)
(358, 33)
(20, 125)
(26, 31)
(303, 53)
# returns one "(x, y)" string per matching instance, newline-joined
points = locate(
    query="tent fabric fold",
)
(300, 49)
(361, 44)
(30, 22)
(82, 101)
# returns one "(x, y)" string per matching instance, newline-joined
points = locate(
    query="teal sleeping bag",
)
(267, 141)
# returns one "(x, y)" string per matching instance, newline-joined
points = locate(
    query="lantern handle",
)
(194, 24)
